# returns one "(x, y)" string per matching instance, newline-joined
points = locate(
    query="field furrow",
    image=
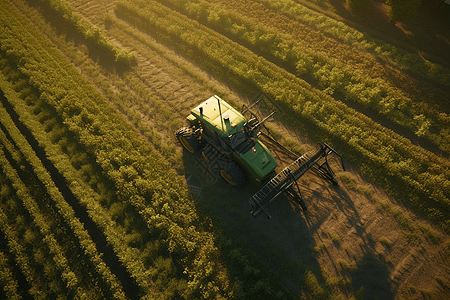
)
(99, 201)
(343, 123)
(362, 88)
(85, 215)
(116, 149)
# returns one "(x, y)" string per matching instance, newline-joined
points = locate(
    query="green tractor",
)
(233, 144)
(224, 134)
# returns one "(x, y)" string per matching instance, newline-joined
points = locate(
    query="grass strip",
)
(352, 83)
(138, 172)
(391, 160)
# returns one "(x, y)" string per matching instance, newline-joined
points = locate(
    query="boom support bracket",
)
(286, 181)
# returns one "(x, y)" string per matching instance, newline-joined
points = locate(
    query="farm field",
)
(97, 197)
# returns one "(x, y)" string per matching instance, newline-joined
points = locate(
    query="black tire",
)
(231, 172)
(189, 140)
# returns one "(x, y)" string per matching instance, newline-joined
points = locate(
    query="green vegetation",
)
(149, 221)
(91, 205)
(330, 74)
(343, 264)
(82, 116)
(329, 27)
(90, 32)
(402, 10)
(357, 4)
(388, 158)
(385, 242)
(313, 286)
(47, 194)
(10, 285)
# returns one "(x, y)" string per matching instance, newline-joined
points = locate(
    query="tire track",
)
(296, 33)
(151, 78)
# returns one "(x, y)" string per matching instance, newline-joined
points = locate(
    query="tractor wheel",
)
(231, 172)
(189, 140)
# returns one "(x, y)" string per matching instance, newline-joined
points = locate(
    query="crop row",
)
(112, 218)
(139, 177)
(340, 31)
(90, 32)
(374, 94)
(63, 210)
(162, 274)
(130, 94)
(14, 216)
(89, 189)
(18, 252)
(385, 156)
(54, 249)
(7, 280)
(30, 250)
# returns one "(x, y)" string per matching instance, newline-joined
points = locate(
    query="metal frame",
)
(284, 181)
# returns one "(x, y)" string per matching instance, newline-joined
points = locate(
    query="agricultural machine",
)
(234, 144)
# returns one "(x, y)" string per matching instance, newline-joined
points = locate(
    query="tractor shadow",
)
(290, 242)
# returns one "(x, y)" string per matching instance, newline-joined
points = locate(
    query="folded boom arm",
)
(286, 180)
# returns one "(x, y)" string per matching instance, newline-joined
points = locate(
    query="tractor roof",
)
(209, 111)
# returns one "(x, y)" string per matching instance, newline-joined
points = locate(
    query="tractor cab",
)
(218, 116)
(227, 139)
(227, 130)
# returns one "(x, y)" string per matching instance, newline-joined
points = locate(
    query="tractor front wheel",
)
(231, 172)
(189, 140)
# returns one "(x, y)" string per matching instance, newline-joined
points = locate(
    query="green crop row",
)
(62, 207)
(72, 163)
(374, 94)
(257, 278)
(17, 201)
(89, 190)
(90, 32)
(26, 245)
(54, 249)
(380, 153)
(261, 283)
(7, 280)
(339, 30)
(137, 171)
(19, 253)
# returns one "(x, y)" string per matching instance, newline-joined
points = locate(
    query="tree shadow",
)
(370, 278)
(426, 34)
(272, 246)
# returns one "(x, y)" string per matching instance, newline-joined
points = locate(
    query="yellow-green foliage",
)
(90, 31)
(330, 74)
(380, 153)
(138, 173)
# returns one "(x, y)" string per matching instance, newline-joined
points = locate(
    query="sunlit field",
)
(98, 200)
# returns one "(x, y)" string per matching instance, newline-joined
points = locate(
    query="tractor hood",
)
(260, 161)
(231, 121)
